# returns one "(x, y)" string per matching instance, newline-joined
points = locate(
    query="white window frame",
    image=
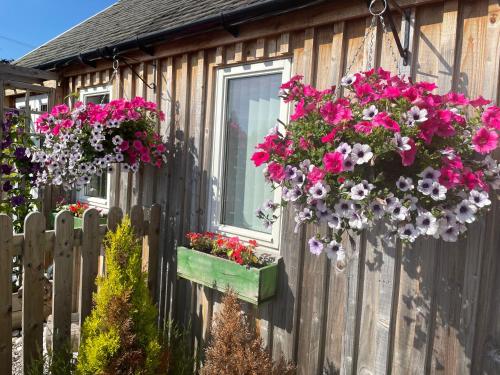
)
(268, 241)
(102, 203)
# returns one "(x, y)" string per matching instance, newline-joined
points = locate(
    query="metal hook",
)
(372, 4)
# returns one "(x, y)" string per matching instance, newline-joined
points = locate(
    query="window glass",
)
(97, 99)
(252, 107)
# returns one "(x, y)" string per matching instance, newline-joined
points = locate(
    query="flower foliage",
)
(17, 171)
(231, 248)
(85, 141)
(388, 149)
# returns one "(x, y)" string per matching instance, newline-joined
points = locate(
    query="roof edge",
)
(225, 20)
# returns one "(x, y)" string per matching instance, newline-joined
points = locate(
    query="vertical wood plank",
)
(153, 247)
(284, 44)
(355, 251)
(491, 88)
(89, 256)
(62, 281)
(378, 287)
(338, 49)
(125, 185)
(448, 46)
(260, 48)
(6, 232)
(286, 309)
(168, 106)
(34, 245)
(415, 308)
(220, 55)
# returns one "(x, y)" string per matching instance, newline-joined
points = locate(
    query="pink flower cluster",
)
(387, 149)
(85, 141)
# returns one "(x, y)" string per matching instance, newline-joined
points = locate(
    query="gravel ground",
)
(17, 353)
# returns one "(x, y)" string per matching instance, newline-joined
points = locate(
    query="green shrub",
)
(120, 335)
(53, 363)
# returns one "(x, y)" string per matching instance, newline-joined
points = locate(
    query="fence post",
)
(153, 246)
(115, 216)
(137, 220)
(89, 254)
(63, 280)
(6, 233)
(33, 256)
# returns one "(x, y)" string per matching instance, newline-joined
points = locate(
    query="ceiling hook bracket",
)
(386, 13)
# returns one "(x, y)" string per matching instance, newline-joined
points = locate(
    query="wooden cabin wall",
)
(432, 308)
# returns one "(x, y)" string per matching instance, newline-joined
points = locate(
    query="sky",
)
(27, 24)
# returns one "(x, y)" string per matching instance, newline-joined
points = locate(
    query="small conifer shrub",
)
(236, 349)
(120, 335)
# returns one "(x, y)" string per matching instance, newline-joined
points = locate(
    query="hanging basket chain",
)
(386, 31)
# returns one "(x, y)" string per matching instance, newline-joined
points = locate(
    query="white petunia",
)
(343, 208)
(119, 158)
(323, 216)
(361, 153)
(404, 183)
(479, 198)
(345, 149)
(449, 233)
(425, 186)
(348, 164)
(430, 173)
(357, 221)
(410, 201)
(359, 192)
(348, 80)
(416, 114)
(438, 191)
(319, 190)
(401, 143)
(465, 212)
(408, 232)
(370, 112)
(391, 201)
(299, 179)
(333, 248)
(117, 140)
(377, 208)
(427, 223)
(290, 172)
(398, 212)
(335, 221)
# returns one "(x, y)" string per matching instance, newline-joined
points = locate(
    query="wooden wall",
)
(432, 308)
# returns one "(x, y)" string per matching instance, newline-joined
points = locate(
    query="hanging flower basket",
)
(389, 149)
(84, 142)
(219, 262)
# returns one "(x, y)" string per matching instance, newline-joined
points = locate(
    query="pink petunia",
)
(408, 156)
(491, 117)
(301, 110)
(383, 119)
(276, 172)
(333, 162)
(479, 102)
(449, 178)
(330, 137)
(335, 113)
(365, 127)
(315, 175)
(391, 92)
(259, 158)
(291, 82)
(485, 141)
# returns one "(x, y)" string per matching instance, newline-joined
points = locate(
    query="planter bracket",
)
(386, 14)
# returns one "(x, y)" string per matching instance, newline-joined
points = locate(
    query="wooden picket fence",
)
(36, 245)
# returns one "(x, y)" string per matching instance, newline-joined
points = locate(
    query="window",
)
(247, 106)
(96, 192)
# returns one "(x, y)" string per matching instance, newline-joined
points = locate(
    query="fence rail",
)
(40, 247)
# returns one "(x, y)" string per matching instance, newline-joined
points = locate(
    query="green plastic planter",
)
(254, 285)
(78, 221)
